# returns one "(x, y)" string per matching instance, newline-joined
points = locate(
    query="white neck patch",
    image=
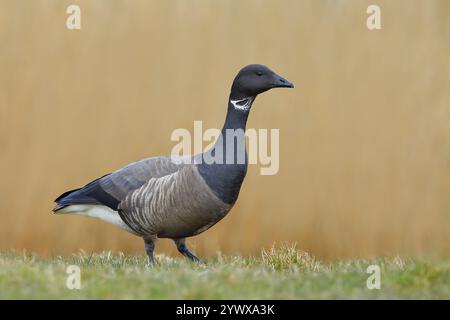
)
(243, 104)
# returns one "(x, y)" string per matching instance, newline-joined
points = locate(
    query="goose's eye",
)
(259, 73)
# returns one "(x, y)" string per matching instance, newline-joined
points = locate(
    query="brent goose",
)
(159, 197)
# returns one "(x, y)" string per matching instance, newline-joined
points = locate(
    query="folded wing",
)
(112, 188)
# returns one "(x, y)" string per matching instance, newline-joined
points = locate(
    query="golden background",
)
(364, 136)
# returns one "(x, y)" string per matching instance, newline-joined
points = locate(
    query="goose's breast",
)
(193, 208)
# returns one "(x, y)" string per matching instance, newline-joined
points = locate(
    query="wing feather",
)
(112, 188)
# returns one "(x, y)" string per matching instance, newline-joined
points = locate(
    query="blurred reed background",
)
(364, 136)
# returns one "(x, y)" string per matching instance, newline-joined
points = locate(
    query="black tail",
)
(59, 205)
(92, 193)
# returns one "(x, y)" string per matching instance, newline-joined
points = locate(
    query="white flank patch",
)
(97, 211)
(242, 104)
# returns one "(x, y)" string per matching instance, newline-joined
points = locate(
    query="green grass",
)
(284, 273)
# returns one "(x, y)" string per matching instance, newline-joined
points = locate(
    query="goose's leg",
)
(149, 248)
(183, 249)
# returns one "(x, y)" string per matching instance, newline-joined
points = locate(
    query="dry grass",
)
(364, 137)
(289, 257)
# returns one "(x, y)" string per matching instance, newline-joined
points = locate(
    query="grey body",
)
(177, 205)
(160, 198)
(155, 198)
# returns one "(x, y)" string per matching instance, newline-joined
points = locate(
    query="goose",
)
(169, 197)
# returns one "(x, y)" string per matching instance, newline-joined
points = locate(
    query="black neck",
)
(224, 178)
(236, 118)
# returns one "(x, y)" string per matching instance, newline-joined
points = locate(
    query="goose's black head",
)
(255, 79)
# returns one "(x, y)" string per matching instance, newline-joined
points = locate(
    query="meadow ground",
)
(284, 273)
